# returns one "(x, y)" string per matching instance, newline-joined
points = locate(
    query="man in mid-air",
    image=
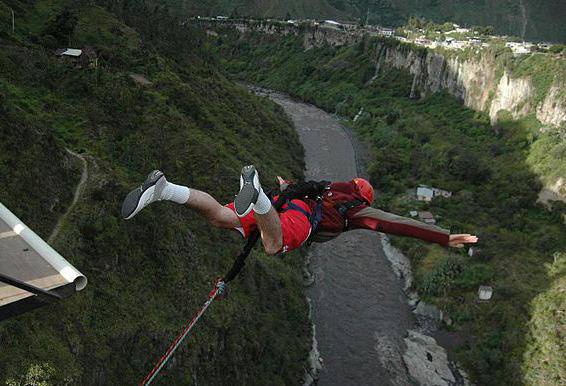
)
(317, 211)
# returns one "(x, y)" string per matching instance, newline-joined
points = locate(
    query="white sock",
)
(263, 204)
(176, 193)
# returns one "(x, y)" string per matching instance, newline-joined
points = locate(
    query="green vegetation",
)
(495, 174)
(148, 275)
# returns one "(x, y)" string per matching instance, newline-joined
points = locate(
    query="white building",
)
(485, 292)
(331, 22)
(424, 193)
(441, 192)
(386, 32)
(520, 48)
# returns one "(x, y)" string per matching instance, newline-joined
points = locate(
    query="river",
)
(359, 307)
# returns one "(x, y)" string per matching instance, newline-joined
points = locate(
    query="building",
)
(441, 192)
(520, 48)
(82, 57)
(68, 52)
(427, 217)
(331, 22)
(485, 292)
(388, 32)
(423, 41)
(424, 193)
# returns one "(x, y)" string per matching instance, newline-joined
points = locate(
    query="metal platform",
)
(32, 273)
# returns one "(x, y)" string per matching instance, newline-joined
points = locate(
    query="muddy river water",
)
(359, 308)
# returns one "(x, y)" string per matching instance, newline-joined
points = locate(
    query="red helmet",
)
(365, 188)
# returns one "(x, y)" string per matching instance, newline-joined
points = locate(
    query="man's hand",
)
(458, 241)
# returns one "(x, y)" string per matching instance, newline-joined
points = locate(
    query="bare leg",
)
(270, 228)
(216, 214)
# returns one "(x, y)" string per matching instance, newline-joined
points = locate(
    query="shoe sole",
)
(243, 203)
(133, 202)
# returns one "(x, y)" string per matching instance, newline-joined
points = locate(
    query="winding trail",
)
(359, 308)
(78, 191)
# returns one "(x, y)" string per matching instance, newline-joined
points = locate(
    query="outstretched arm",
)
(378, 220)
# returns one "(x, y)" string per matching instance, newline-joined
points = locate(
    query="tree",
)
(62, 27)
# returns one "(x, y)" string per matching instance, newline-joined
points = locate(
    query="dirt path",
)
(359, 308)
(78, 191)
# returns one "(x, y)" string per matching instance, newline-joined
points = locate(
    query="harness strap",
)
(293, 206)
(344, 207)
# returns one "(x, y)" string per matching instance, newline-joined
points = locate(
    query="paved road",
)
(360, 310)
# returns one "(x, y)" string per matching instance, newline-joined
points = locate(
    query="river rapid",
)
(359, 307)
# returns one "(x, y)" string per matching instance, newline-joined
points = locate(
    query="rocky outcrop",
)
(475, 82)
(552, 110)
(428, 363)
(512, 95)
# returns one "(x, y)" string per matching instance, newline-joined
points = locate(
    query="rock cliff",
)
(479, 81)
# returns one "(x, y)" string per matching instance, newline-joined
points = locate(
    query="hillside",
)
(146, 276)
(495, 173)
(527, 19)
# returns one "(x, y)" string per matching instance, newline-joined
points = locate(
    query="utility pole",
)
(13, 21)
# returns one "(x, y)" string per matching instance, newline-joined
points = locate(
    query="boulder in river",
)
(426, 361)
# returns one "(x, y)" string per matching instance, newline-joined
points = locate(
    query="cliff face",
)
(476, 83)
(480, 82)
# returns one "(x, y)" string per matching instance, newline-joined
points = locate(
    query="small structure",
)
(462, 30)
(331, 22)
(441, 192)
(427, 217)
(474, 251)
(70, 52)
(485, 292)
(423, 41)
(520, 48)
(387, 32)
(32, 273)
(83, 57)
(414, 213)
(424, 193)
(141, 79)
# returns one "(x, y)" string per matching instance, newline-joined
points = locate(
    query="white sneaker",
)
(150, 191)
(249, 191)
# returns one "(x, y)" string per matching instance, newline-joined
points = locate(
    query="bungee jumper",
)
(313, 211)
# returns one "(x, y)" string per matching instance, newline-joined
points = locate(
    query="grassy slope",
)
(147, 276)
(437, 141)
